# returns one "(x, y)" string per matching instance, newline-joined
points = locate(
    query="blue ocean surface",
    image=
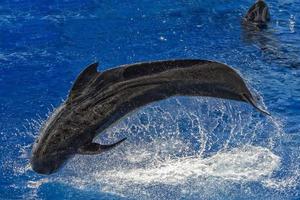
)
(180, 148)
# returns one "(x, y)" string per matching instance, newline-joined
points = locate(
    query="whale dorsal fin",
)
(82, 81)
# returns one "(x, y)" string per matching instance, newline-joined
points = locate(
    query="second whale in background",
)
(258, 15)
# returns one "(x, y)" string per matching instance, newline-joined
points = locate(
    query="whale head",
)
(48, 164)
(57, 142)
(69, 130)
(65, 131)
(258, 15)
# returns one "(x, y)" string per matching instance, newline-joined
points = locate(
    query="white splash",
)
(182, 150)
(37, 184)
(249, 163)
(185, 176)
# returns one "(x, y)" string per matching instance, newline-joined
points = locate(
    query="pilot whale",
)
(97, 100)
(258, 15)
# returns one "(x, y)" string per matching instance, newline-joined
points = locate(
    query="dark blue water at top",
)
(182, 148)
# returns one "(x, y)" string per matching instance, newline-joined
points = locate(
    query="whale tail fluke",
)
(254, 104)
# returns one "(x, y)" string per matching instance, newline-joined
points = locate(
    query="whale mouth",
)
(48, 164)
(43, 167)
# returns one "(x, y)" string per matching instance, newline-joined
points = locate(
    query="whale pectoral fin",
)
(96, 148)
(90, 149)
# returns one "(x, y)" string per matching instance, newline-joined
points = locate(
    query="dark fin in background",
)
(258, 14)
(95, 148)
(84, 78)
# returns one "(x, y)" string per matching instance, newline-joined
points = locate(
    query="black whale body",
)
(99, 99)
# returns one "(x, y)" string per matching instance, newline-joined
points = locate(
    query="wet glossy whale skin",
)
(99, 99)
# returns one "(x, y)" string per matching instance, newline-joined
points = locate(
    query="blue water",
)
(181, 148)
